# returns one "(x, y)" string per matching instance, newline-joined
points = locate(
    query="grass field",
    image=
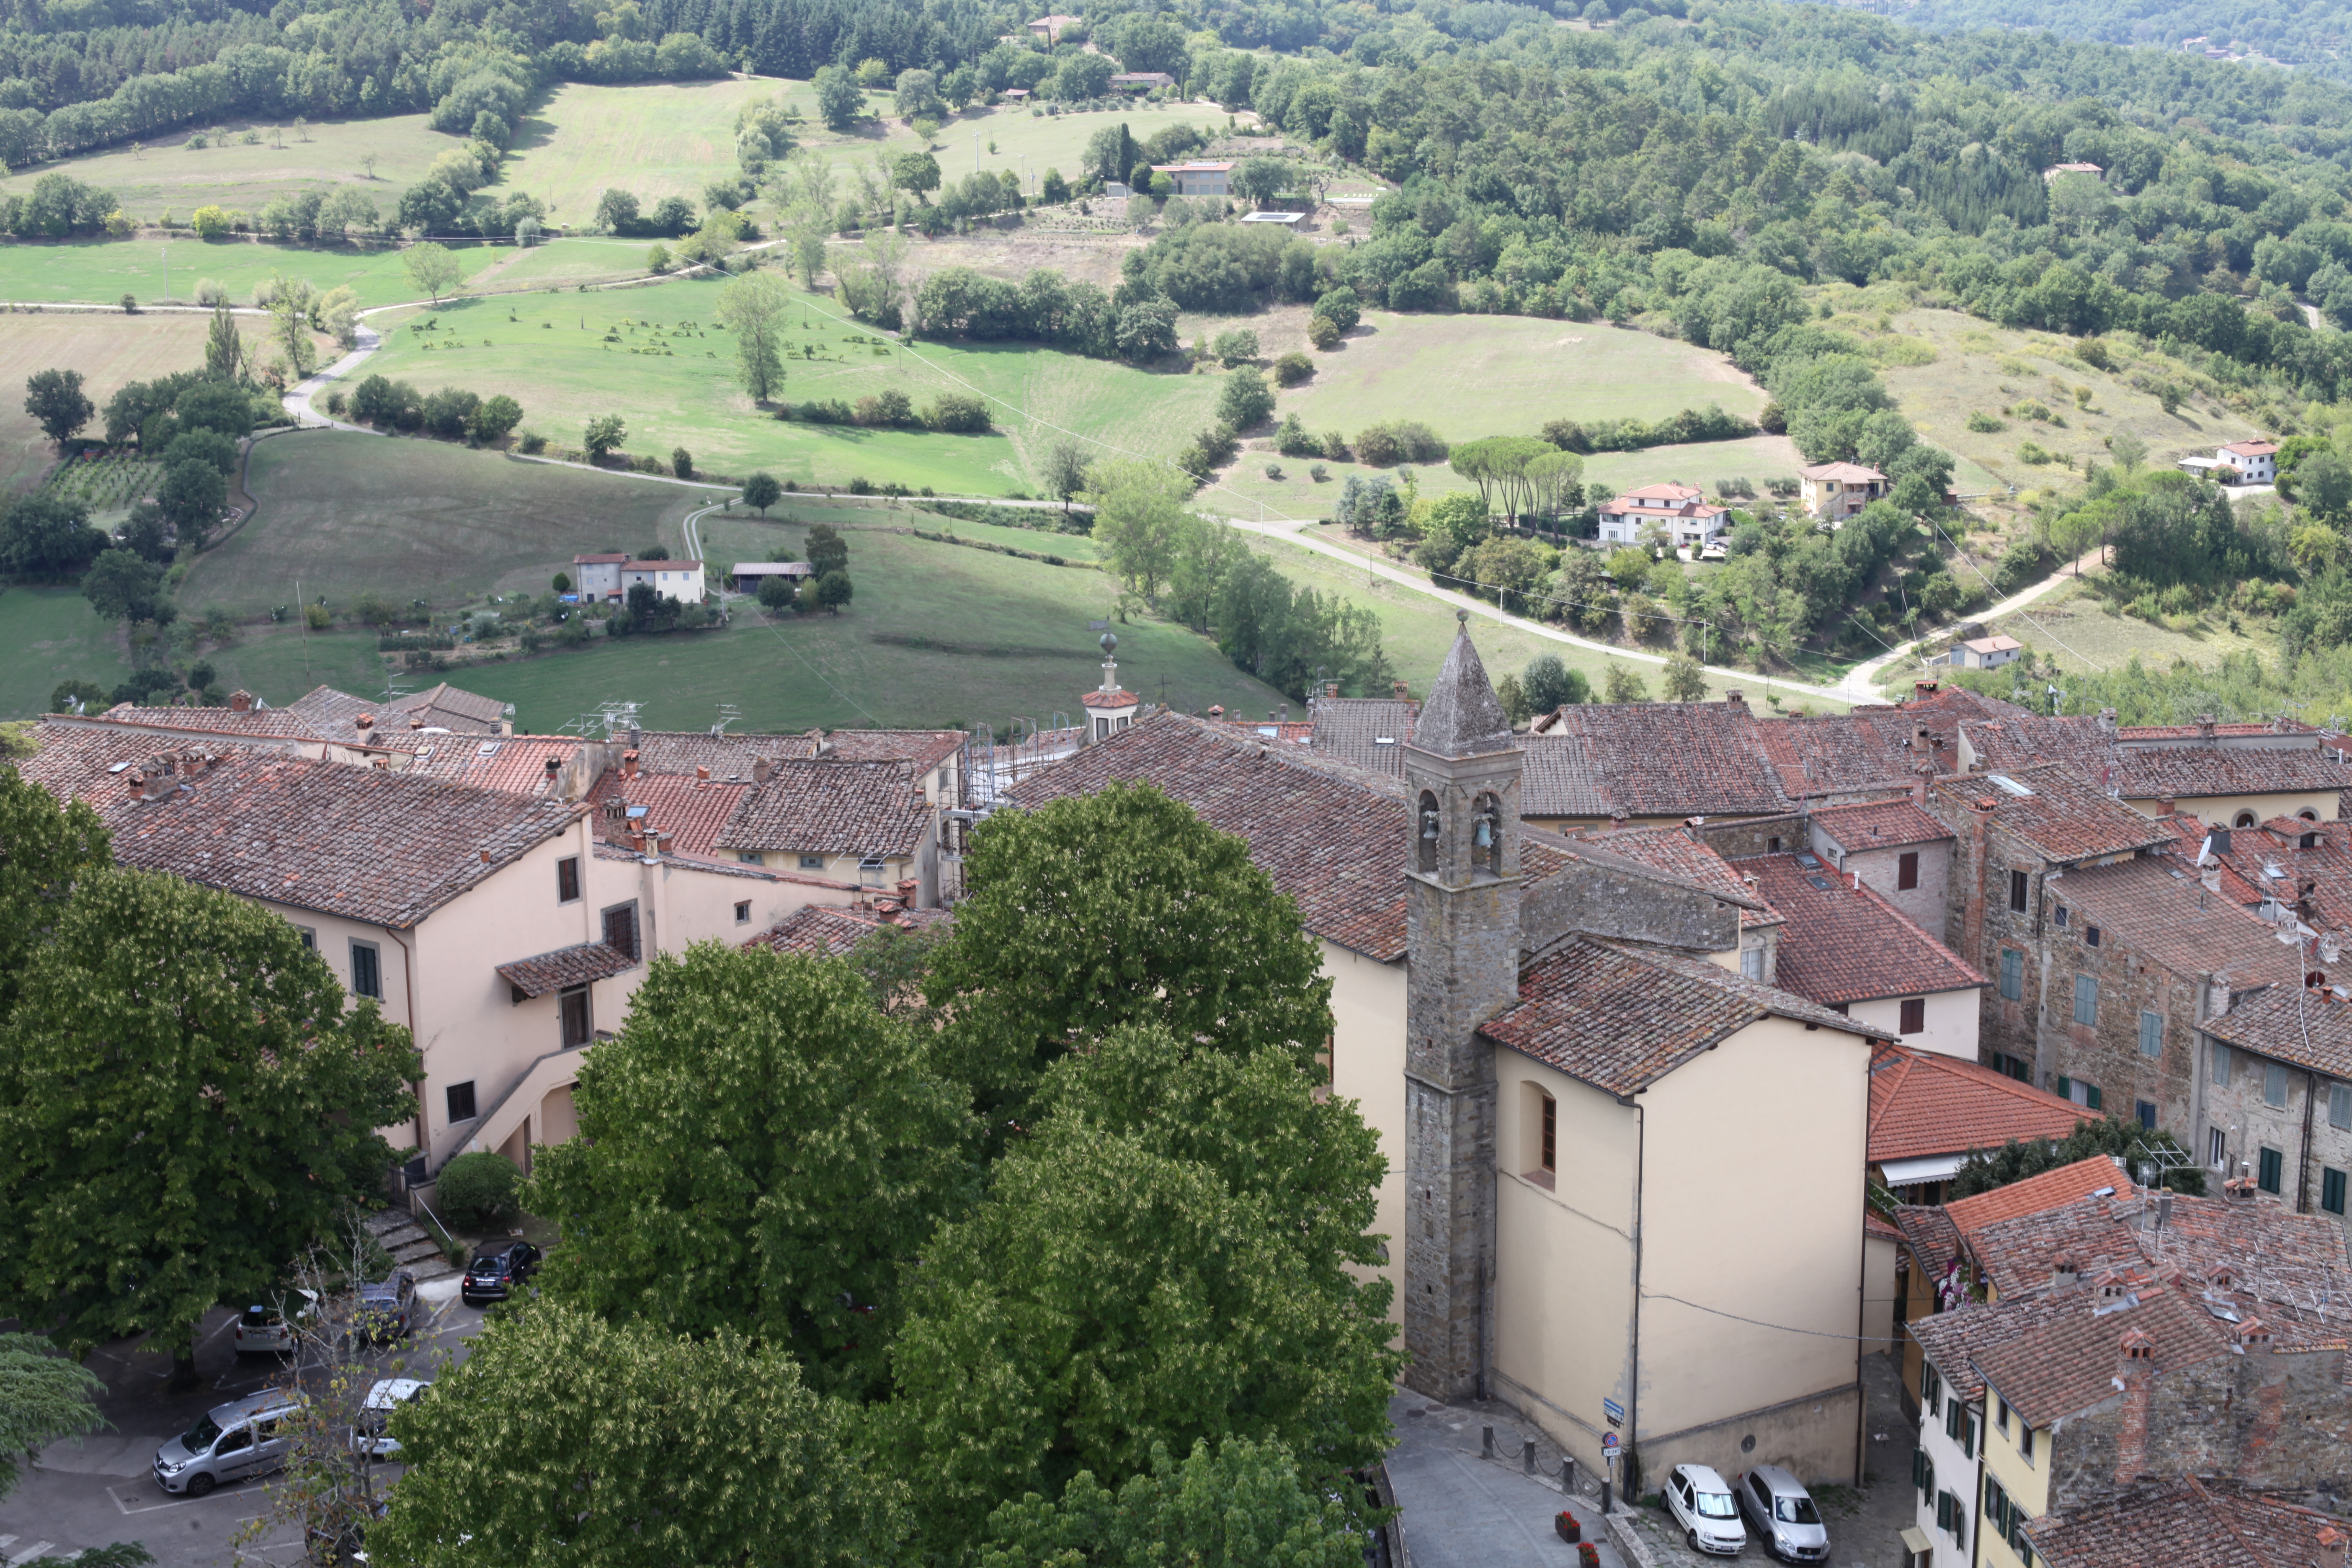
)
(52, 635)
(1027, 145)
(100, 271)
(551, 352)
(2072, 625)
(108, 349)
(652, 140)
(170, 177)
(410, 519)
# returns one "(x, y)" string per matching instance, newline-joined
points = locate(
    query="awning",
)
(1930, 1168)
(566, 967)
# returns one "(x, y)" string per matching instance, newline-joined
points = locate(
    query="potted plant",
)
(1588, 1555)
(1565, 1522)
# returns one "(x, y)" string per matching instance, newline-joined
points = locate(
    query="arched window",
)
(1425, 832)
(2307, 815)
(2244, 819)
(1486, 836)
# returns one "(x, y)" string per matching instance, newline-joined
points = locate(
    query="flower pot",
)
(1588, 1555)
(1565, 1522)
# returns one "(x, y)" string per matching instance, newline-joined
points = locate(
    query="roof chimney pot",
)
(240, 701)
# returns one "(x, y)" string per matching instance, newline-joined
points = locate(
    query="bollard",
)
(1489, 1452)
(1604, 1497)
(1528, 1455)
(1568, 1473)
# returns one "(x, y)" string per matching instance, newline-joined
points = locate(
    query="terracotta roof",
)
(2062, 818)
(1924, 1102)
(1877, 1228)
(2155, 905)
(2150, 771)
(1673, 850)
(1352, 728)
(566, 967)
(257, 724)
(1842, 753)
(91, 761)
(1934, 1239)
(1936, 699)
(727, 756)
(2019, 1253)
(1952, 1340)
(1845, 473)
(2127, 734)
(2252, 448)
(1666, 491)
(834, 808)
(2050, 1189)
(2273, 1250)
(824, 932)
(515, 763)
(926, 749)
(1620, 1018)
(2186, 1522)
(1117, 698)
(1463, 717)
(1878, 824)
(373, 845)
(1650, 759)
(1291, 732)
(1333, 838)
(2315, 882)
(663, 567)
(445, 704)
(1845, 943)
(686, 811)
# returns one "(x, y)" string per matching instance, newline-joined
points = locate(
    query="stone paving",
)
(1460, 1510)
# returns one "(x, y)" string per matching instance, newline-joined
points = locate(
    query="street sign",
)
(1609, 1446)
(1614, 1411)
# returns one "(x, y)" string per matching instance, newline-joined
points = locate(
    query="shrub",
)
(1274, 471)
(532, 442)
(831, 411)
(1293, 439)
(1236, 347)
(957, 411)
(1984, 423)
(681, 462)
(1323, 332)
(1246, 400)
(2033, 453)
(1398, 441)
(890, 407)
(477, 1190)
(316, 618)
(1292, 368)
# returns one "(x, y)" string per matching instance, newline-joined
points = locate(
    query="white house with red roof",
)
(1835, 491)
(1199, 176)
(1681, 510)
(2256, 462)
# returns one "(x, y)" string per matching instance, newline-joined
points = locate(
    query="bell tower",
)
(1463, 769)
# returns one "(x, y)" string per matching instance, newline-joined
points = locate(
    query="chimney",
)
(636, 738)
(1972, 919)
(137, 784)
(1735, 699)
(1919, 785)
(1216, 711)
(1920, 743)
(907, 891)
(629, 763)
(2062, 1273)
(364, 722)
(1330, 689)
(2135, 1371)
(701, 775)
(2254, 1337)
(1691, 824)
(486, 857)
(1285, 713)
(416, 721)
(240, 701)
(762, 769)
(554, 766)
(1619, 816)
(2331, 1548)
(2205, 729)
(2217, 995)
(1925, 689)
(2108, 722)
(615, 809)
(1398, 690)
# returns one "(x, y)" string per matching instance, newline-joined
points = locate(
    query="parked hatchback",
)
(496, 1268)
(372, 1436)
(243, 1438)
(387, 1307)
(1704, 1507)
(1786, 1521)
(262, 1330)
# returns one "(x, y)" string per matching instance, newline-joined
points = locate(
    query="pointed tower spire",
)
(1463, 717)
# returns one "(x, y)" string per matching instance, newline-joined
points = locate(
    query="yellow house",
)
(1499, 994)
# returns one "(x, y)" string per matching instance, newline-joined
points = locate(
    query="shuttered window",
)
(2013, 974)
(2151, 1033)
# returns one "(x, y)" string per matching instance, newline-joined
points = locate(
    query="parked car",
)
(241, 1438)
(1787, 1522)
(1703, 1506)
(1719, 551)
(496, 1268)
(387, 1307)
(262, 1330)
(371, 1436)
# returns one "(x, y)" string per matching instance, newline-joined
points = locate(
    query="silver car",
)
(1786, 1521)
(371, 1436)
(243, 1438)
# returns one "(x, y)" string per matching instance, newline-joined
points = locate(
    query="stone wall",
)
(2107, 1052)
(2234, 1085)
(1602, 900)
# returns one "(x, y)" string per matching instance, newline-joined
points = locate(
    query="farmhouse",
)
(1835, 491)
(1986, 653)
(2052, 174)
(1050, 27)
(679, 580)
(597, 577)
(1681, 510)
(1199, 176)
(1141, 81)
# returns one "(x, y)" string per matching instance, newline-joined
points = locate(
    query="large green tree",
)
(45, 847)
(1245, 1506)
(1167, 1256)
(753, 307)
(569, 1439)
(43, 1396)
(761, 1149)
(186, 1104)
(57, 403)
(1139, 518)
(1118, 908)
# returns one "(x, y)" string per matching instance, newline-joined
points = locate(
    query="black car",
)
(496, 1268)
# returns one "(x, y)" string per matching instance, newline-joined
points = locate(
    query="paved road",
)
(1861, 683)
(1460, 1510)
(98, 1489)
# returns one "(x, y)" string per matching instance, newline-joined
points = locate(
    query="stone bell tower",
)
(1462, 904)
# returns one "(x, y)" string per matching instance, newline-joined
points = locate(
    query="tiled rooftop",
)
(1845, 943)
(515, 763)
(2061, 817)
(2186, 1522)
(686, 811)
(831, 808)
(1675, 852)
(1879, 825)
(2050, 1189)
(926, 749)
(1619, 1017)
(2155, 905)
(1954, 1338)
(1351, 728)
(1868, 749)
(1924, 1103)
(1650, 759)
(824, 932)
(2149, 771)
(727, 756)
(566, 967)
(2018, 1254)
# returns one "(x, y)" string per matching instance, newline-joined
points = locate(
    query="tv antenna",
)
(729, 713)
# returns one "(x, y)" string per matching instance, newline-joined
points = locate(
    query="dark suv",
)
(496, 1268)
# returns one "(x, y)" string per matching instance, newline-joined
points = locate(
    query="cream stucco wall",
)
(1952, 1018)
(2222, 810)
(2026, 1480)
(1368, 1066)
(1955, 1472)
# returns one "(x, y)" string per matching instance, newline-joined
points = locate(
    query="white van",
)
(243, 1438)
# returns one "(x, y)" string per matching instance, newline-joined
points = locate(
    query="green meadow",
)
(171, 176)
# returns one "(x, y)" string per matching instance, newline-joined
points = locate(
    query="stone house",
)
(2231, 776)
(865, 823)
(2190, 1521)
(1847, 947)
(1648, 763)
(1895, 847)
(2278, 1094)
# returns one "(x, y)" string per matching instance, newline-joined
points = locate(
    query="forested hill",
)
(2308, 34)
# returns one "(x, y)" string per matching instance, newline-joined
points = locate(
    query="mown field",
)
(345, 514)
(652, 139)
(2074, 626)
(50, 634)
(672, 375)
(169, 177)
(108, 349)
(100, 271)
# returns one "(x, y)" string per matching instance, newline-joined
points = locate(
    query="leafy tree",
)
(1118, 908)
(827, 551)
(1982, 1170)
(58, 403)
(1623, 684)
(837, 98)
(762, 1150)
(1258, 181)
(1066, 470)
(289, 301)
(1341, 308)
(184, 1104)
(919, 96)
(1166, 1257)
(63, 697)
(224, 344)
(44, 1396)
(494, 419)
(478, 1189)
(201, 445)
(833, 590)
(754, 307)
(617, 212)
(604, 435)
(191, 496)
(122, 587)
(1551, 685)
(1139, 514)
(1685, 681)
(1246, 400)
(776, 594)
(634, 1448)
(761, 490)
(914, 171)
(433, 267)
(45, 848)
(1243, 1507)
(214, 406)
(47, 535)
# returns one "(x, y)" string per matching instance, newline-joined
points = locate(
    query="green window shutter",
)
(2065, 1087)
(2091, 1089)
(2086, 1000)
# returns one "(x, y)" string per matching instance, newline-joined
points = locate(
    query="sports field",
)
(655, 356)
(100, 271)
(108, 349)
(345, 514)
(171, 176)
